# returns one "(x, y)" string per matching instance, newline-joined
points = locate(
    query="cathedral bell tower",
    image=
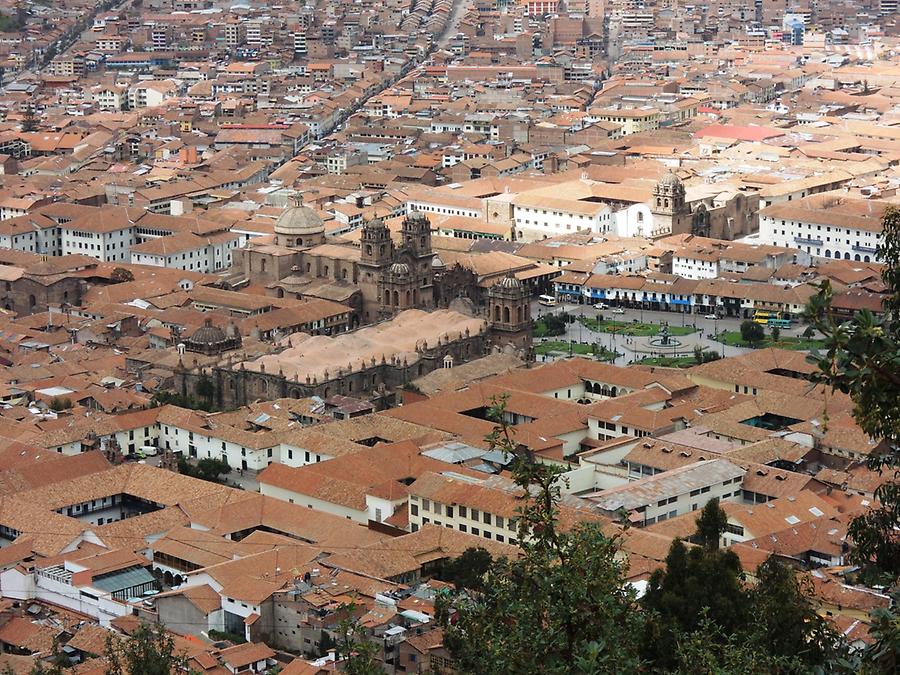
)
(668, 206)
(509, 315)
(377, 247)
(416, 233)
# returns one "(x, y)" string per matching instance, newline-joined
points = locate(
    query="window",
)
(486, 517)
(474, 514)
(426, 505)
(462, 511)
(414, 509)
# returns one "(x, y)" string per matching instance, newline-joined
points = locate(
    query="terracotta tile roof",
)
(246, 654)
(21, 633)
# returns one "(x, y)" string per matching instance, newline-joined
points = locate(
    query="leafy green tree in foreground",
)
(358, 656)
(699, 586)
(562, 607)
(468, 570)
(149, 651)
(703, 618)
(861, 358)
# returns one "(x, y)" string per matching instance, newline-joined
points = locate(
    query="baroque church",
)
(723, 213)
(377, 279)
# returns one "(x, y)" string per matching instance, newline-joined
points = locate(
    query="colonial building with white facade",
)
(829, 225)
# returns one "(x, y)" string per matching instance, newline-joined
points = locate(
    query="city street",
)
(636, 348)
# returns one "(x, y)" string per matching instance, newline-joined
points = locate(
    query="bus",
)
(547, 300)
(780, 323)
(763, 317)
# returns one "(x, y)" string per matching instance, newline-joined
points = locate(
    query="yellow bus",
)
(763, 316)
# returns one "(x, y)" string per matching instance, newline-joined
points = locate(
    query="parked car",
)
(618, 310)
(149, 450)
(711, 316)
(600, 305)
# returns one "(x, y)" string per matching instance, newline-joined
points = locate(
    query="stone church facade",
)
(376, 279)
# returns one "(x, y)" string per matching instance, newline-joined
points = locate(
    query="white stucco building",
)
(829, 225)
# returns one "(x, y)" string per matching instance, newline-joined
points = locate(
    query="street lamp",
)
(716, 321)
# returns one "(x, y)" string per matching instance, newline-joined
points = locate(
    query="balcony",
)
(865, 249)
(805, 241)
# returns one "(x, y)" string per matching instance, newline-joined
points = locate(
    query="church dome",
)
(399, 269)
(375, 224)
(510, 282)
(670, 180)
(299, 220)
(208, 334)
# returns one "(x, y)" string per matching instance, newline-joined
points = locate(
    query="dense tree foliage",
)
(149, 651)
(208, 468)
(562, 606)
(703, 616)
(468, 570)
(861, 358)
(752, 332)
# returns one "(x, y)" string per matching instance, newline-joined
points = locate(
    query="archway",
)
(396, 298)
(167, 578)
(506, 315)
(496, 312)
(613, 392)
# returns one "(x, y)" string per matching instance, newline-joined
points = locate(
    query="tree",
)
(787, 625)
(883, 656)
(701, 584)
(861, 358)
(150, 651)
(326, 642)
(359, 654)
(55, 665)
(58, 404)
(468, 570)
(752, 332)
(120, 275)
(711, 524)
(205, 388)
(562, 606)
(30, 119)
(775, 333)
(208, 468)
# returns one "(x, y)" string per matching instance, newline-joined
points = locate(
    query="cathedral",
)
(377, 279)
